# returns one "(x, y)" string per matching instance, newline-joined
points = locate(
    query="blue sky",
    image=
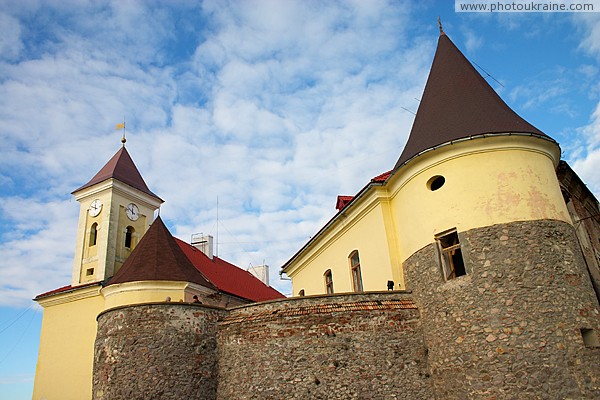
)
(273, 107)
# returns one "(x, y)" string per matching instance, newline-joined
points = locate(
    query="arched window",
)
(328, 282)
(129, 237)
(301, 293)
(356, 275)
(93, 234)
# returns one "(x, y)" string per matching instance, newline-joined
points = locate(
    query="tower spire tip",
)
(440, 25)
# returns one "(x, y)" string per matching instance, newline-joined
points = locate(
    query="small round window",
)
(436, 182)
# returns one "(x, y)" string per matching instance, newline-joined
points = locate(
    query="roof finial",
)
(440, 25)
(122, 126)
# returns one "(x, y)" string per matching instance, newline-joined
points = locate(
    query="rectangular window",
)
(453, 265)
(89, 272)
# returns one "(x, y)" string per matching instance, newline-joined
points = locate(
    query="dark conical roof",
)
(458, 103)
(158, 257)
(121, 168)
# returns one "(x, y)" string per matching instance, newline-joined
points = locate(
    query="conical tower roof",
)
(158, 257)
(458, 103)
(121, 168)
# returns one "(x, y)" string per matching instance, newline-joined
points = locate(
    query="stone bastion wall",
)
(359, 346)
(514, 325)
(156, 351)
(317, 347)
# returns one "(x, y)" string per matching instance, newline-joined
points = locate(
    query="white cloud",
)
(589, 23)
(273, 107)
(586, 159)
(472, 41)
(10, 40)
(36, 253)
(276, 109)
(587, 162)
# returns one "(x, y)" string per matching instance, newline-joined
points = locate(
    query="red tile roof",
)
(458, 103)
(382, 177)
(157, 257)
(327, 308)
(160, 256)
(342, 201)
(121, 168)
(229, 278)
(65, 289)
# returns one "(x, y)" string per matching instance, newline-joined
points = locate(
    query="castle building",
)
(470, 162)
(125, 256)
(468, 271)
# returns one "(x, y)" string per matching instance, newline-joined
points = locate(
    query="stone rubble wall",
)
(361, 346)
(156, 351)
(511, 327)
(320, 347)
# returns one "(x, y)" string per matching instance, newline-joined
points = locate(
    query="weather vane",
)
(122, 126)
(440, 25)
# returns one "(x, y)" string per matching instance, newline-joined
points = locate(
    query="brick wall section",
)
(511, 327)
(324, 347)
(585, 213)
(156, 351)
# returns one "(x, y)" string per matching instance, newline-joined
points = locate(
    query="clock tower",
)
(116, 209)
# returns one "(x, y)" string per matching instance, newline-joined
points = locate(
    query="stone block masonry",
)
(511, 327)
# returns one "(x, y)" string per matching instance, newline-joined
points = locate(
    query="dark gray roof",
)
(458, 103)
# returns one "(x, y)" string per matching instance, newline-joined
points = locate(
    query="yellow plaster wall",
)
(121, 197)
(143, 292)
(66, 354)
(488, 181)
(140, 227)
(110, 251)
(364, 230)
(86, 257)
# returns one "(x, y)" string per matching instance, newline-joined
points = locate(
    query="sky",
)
(258, 113)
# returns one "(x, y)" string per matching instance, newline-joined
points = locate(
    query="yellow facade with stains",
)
(486, 181)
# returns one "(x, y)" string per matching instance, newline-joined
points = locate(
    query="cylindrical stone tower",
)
(156, 351)
(488, 249)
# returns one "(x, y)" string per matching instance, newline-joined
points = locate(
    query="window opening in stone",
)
(453, 265)
(89, 272)
(590, 337)
(93, 234)
(356, 274)
(129, 237)
(436, 182)
(328, 282)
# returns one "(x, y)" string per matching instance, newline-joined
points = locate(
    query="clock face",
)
(95, 207)
(132, 211)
